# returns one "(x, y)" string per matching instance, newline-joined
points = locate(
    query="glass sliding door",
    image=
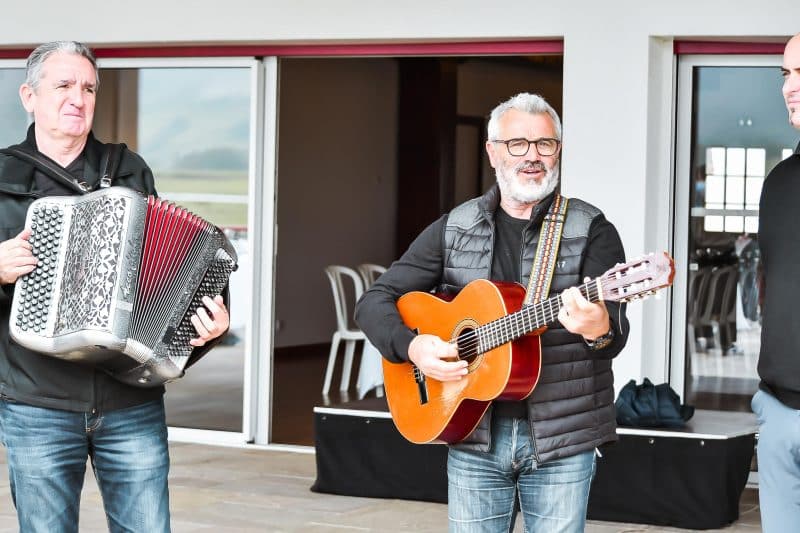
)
(200, 125)
(192, 121)
(732, 130)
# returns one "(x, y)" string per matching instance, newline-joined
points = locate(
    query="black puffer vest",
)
(571, 410)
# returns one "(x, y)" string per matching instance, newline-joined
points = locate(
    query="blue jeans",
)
(47, 451)
(778, 463)
(483, 487)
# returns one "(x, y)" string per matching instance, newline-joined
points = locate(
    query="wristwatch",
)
(602, 341)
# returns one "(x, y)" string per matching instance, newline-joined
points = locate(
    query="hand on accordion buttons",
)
(16, 258)
(210, 326)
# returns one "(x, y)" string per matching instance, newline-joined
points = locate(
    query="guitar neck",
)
(530, 318)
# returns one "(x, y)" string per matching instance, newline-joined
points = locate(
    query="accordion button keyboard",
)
(37, 287)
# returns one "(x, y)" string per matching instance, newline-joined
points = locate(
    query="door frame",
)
(683, 172)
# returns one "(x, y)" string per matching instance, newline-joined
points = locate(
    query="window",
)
(191, 123)
(731, 132)
(193, 130)
(734, 177)
(13, 118)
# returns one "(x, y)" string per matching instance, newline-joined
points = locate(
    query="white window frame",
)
(256, 398)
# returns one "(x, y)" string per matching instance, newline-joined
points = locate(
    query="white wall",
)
(617, 79)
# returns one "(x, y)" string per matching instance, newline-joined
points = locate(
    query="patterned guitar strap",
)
(547, 251)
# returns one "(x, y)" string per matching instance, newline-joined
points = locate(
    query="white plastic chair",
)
(369, 273)
(344, 332)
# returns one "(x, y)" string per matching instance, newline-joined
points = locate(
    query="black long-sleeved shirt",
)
(420, 269)
(779, 241)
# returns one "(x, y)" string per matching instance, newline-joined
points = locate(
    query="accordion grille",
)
(90, 265)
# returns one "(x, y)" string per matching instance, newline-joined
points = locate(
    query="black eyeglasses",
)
(519, 147)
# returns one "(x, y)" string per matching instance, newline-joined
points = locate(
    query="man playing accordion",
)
(55, 413)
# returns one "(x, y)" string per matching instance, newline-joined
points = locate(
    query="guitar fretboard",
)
(513, 326)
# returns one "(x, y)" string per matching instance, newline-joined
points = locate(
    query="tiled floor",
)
(217, 489)
(246, 490)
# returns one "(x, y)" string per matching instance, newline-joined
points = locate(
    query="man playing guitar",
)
(535, 448)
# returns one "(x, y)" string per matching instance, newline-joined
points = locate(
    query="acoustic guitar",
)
(499, 338)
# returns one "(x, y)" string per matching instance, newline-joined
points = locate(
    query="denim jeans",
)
(483, 488)
(47, 451)
(778, 463)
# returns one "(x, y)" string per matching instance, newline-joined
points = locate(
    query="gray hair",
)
(37, 58)
(527, 102)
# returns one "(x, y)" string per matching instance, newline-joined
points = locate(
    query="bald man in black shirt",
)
(777, 402)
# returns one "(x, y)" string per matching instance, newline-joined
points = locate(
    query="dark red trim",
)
(14, 54)
(721, 47)
(376, 49)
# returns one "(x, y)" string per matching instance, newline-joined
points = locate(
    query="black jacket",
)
(38, 379)
(779, 241)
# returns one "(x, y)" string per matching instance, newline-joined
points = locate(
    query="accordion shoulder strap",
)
(46, 165)
(110, 163)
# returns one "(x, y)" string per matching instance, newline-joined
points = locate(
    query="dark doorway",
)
(370, 151)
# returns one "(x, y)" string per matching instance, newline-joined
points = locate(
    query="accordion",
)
(118, 279)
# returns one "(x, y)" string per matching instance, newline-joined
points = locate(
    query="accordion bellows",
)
(119, 277)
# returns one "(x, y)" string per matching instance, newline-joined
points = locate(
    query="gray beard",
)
(530, 193)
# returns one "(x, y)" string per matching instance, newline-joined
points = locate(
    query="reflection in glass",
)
(753, 192)
(735, 163)
(714, 223)
(715, 158)
(756, 161)
(734, 224)
(739, 133)
(13, 118)
(715, 191)
(194, 129)
(192, 126)
(734, 192)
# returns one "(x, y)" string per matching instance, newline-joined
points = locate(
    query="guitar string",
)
(511, 324)
(503, 329)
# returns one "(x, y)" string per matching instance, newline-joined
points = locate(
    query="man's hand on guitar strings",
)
(582, 317)
(436, 358)
(210, 327)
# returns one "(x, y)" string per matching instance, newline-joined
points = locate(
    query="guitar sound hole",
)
(467, 345)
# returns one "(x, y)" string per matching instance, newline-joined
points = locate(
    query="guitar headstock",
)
(637, 278)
